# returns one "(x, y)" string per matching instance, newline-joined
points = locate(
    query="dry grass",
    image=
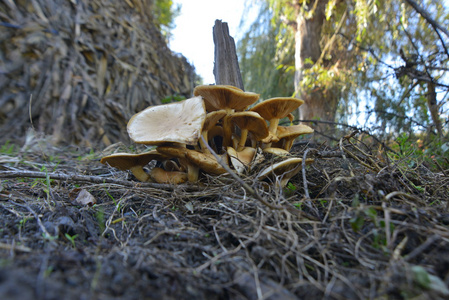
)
(80, 69)
(367, 225)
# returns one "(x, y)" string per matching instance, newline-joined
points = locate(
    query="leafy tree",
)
(165, 12)
(390, 56)
(265, 57)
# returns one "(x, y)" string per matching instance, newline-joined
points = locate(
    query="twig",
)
(47, 235)
(83, 178)
(426, 16)
(345, 158)
(418, 250)
(14, 247)
(304, 179)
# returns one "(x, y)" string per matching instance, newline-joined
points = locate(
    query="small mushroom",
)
(133, 162)
(241, 160)
(276, 151)
(288, 134)
(231, 99)
(211, 121)
(160, 175)
(205, 162)
(180, 153)
(249, 121)
(285, 169)
(273, 110)
(225, 97)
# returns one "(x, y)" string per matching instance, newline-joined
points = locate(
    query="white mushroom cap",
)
(179, 122)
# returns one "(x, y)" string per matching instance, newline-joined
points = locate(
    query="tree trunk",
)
(319, 103)
(433, 107)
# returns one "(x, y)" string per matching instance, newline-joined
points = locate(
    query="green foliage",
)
(71, 238)
(412, 150)
(165, 12)
(8, 148)
(364, 43)
(366, 214)
(99, 216)
(173, 98)
(265, 58)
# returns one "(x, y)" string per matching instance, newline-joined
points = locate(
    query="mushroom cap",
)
(125, 161)
(218, 97)
(179, 122)
(251, 121)
(276, 151)
(181, 154)
(242, 159)
(212, 118)
(205, 162)
(289, 168)
(173, 151)
(276, 108)
(293, 131)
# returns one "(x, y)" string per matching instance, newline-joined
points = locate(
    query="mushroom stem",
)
(288, 144)
(139, 173)
(242, 142)
(272, 129)
(227, 132)
(273, 125)
(193, 171)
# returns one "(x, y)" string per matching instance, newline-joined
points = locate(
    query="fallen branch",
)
(81, 178)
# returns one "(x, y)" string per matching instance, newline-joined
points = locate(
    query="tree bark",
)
(226, 65)
(432, 104)
(319, 103)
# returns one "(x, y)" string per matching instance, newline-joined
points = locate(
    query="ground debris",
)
(366, 226)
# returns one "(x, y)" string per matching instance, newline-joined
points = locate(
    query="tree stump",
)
(226, 65)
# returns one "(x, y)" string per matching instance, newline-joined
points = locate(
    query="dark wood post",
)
(226, 65)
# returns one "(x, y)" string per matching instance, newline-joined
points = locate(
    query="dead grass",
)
(78, 70)
(367, 228)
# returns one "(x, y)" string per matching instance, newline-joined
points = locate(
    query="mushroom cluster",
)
(216, 118)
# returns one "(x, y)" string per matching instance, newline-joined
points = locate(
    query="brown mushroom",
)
(241, 160)
(160, 175)
(285, 170)
(133, 162)
(273, 110)
(226, 97)
(231, 99)
(276, 151)
(249, 121)
(287, 135)
(205, 162)
(211, 121)
(180, 153)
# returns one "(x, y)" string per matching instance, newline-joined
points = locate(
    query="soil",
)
(371, 228)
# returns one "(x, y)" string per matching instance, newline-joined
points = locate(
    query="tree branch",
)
(82, 178)
(426, 16)
(431, 21)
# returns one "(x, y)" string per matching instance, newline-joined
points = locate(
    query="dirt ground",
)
(371, 228)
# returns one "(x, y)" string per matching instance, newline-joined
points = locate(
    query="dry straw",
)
(83, 68)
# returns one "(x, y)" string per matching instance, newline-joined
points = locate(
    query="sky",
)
(192, 36)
